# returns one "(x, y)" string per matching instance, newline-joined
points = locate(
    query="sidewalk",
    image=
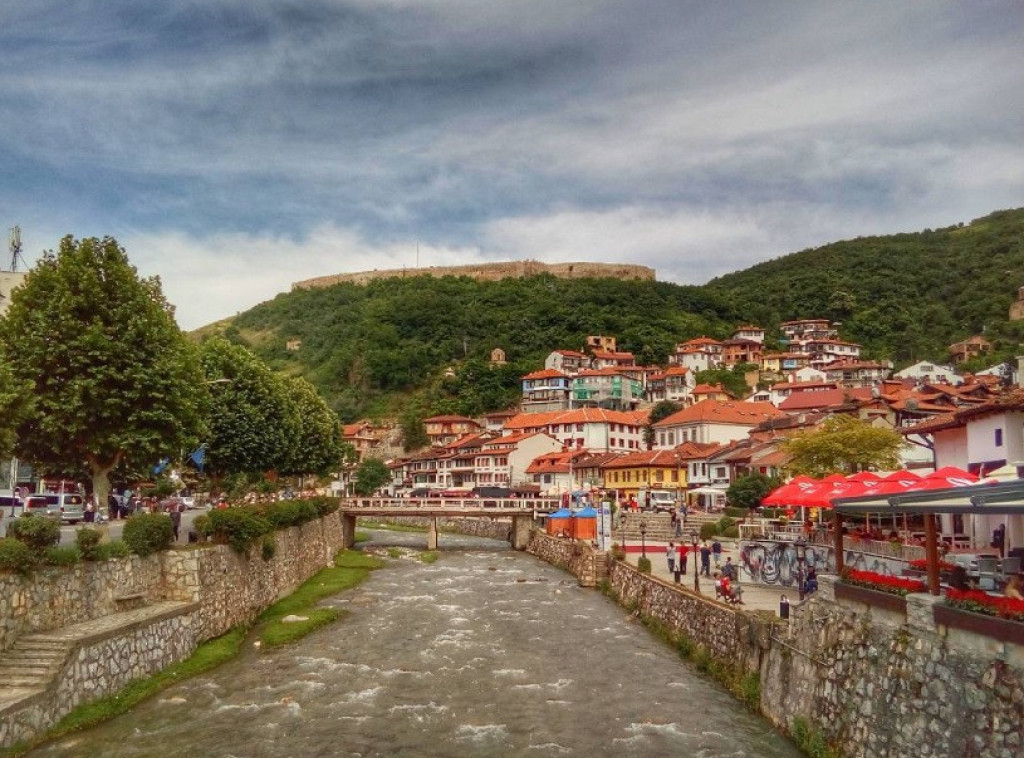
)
(756, 597)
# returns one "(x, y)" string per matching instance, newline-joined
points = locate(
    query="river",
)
(487, 652)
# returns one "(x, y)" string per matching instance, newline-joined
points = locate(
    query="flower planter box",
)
(874, 598)
(997, 628)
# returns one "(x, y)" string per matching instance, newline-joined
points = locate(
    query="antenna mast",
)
(14, 243)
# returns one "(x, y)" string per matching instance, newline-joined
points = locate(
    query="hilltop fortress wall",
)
(491, 272)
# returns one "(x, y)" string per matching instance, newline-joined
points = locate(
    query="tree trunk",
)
(101, 478)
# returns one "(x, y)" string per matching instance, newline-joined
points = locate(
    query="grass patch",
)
(429, 556)
(350, 568)
(394, 552)
(207, 656)
(361, 536)
(279, 633)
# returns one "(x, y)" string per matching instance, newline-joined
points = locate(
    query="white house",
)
(712, 421)
(597, 429)
(930, 373)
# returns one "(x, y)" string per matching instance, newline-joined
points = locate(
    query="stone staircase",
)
(33, 662)
(659, 525)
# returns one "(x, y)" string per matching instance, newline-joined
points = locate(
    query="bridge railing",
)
(529, 504)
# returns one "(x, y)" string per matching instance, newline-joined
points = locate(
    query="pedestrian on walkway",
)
(683, 552)
(705, 559)
(716, 552)
(175, 515)
(670, 558)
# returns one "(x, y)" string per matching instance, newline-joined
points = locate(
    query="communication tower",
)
(14, 243)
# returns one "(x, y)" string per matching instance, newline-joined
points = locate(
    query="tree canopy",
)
(113, 380)
(845, 445)
(370, 475)
(748, 491)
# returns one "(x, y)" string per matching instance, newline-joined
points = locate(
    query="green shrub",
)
(88, 541)
(325, 505)
(38, 532)
(736, 512)
(708, 531)
(238, 527)
(725, 522)
(115, 549)
(732, 532)
(202, 526)
(643, 565)
(146, 533)
(63, 555)
(16, 555)
(283, 514)
(269, 548)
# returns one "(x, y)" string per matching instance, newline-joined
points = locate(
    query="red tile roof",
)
(546, 373)
(723, 412)
(661, 458)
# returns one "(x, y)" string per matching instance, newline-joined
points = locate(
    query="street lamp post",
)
(695, 556)
(801, 555)
(643, 538)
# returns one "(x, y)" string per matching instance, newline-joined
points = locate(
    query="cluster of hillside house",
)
(583, 422)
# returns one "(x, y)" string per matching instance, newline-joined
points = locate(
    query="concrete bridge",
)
(522, 511)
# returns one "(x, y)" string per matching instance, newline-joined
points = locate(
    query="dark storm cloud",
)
(694, 137)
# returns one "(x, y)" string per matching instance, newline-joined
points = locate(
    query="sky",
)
(236, 146)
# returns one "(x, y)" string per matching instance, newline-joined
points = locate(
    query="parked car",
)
(64, 506)
(11, 505)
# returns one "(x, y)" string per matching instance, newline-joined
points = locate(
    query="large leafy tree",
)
(317, 448)
(253, 421)
(843, 444)
(15, 399)
(113, 379)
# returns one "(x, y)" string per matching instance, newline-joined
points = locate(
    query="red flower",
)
(872, 580)
(976, 601)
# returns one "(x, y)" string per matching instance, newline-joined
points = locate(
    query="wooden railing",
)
(453, 504)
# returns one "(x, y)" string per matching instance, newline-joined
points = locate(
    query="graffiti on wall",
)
(774, 562)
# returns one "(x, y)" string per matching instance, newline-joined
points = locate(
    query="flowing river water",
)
(487, 652)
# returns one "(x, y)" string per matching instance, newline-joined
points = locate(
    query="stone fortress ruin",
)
(491, 272)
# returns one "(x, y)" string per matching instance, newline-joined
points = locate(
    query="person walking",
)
(716, 552)
(705, 559)
(670, 558)
(175, 515)
(684, 551)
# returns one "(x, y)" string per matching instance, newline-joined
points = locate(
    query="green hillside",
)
(905, 297)
(373, 349)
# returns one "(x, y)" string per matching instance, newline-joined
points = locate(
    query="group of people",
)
(726, 575)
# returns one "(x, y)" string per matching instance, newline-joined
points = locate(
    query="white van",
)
(68, 507)
(659, 501)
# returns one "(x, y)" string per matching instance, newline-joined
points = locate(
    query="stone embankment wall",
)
(894, 683)
(54, 597)
(873, 683)
(207, 590)
(100, 666)
(491, 272)
(232, 589)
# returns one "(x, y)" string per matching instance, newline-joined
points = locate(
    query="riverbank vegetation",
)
(350, 568)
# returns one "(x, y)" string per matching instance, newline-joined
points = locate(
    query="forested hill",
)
(370, 348)
(906, 297)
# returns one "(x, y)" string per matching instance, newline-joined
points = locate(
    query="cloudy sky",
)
(236, 146)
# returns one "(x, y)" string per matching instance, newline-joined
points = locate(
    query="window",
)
(999, 437)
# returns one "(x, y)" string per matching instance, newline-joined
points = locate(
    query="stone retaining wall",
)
(884, 683)
(101, 666)
(873, 682)
(57, 596)
(233, 589)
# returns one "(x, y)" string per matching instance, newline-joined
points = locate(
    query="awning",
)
(985, 498)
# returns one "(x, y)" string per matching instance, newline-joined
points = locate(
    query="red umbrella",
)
(951, 472)
(833, 478)
(783, 495)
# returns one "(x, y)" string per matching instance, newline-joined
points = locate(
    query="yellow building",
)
(645, 470)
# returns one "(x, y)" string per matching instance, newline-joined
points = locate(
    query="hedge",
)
(148, 533)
